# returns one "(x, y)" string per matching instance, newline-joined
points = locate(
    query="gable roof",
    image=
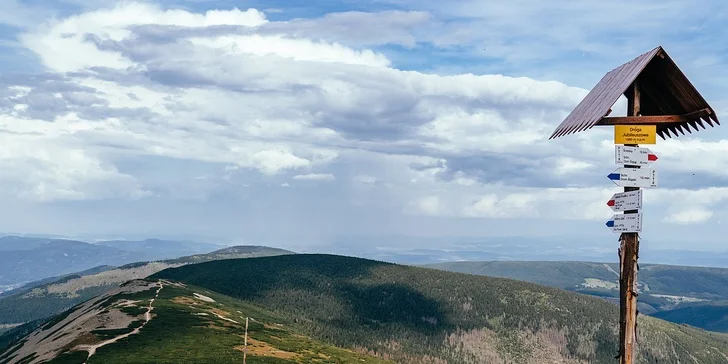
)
(664, 90)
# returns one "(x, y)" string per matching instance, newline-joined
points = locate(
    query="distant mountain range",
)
(429, 250)
(47, 297)
(27, 259)
(692, 295)
(308, 308)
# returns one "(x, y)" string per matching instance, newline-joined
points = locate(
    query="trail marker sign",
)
(635, 134)
(634, 177)
(635, 156)
(626, 223)
(660, 101)
(624, 201)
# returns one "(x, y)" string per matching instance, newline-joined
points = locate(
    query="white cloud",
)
(47, 171)
(262, 102)
(273, 161)
(690, 216)
(62, 45)
(315, 177)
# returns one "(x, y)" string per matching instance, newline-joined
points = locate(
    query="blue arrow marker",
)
(610, 223)
(614, 176)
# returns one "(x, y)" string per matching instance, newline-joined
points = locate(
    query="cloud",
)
(161, 105)
(315, 177)
(692, 216)
(39, 169)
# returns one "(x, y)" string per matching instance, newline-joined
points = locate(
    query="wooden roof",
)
(667, 99)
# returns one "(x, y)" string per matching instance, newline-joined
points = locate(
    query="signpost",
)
(666, 89)
(626, 201)
(626, 223)
(635, 134)
(642, 157)
(634, 177)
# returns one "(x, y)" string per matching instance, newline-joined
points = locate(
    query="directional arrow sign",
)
(626, 223)
(633, 156)
(626, 201)
(634, 177)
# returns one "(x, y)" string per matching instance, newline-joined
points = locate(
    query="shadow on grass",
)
(335, 289)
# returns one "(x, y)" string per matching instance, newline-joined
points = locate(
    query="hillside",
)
(333, 309)
(692, 295)
(695, 282)
(28, 259)
(161, 321)
(48, 299)
(419, 315)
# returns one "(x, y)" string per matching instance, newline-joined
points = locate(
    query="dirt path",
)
(147, 317)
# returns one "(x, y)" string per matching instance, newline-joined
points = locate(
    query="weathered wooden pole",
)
(245, 350)
(651, 82)
(628, 253)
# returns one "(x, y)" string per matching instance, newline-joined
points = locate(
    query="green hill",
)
(334, 309)
(186, 324)
(45, 300)
(692, 295)
(418, 315)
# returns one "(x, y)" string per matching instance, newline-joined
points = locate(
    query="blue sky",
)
(307, 121)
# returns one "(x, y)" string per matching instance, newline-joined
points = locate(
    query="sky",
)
(309, 121)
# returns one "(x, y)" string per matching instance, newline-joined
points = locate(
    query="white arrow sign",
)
(634, 156)
(626, 223)
(634, 177)
(626, 201)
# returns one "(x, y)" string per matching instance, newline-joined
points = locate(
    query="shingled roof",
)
(667, 98)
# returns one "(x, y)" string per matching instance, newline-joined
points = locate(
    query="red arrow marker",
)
(610, 203)
(651, 157)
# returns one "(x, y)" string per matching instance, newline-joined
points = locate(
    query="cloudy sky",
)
(252, 119)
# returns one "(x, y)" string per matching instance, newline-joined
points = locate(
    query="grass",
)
(177, 335)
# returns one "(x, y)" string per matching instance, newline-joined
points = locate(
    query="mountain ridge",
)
(320, 306)
(326, 291)
(692, 295)
(35, 302)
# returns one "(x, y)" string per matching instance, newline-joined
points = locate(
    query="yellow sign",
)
(635, 134)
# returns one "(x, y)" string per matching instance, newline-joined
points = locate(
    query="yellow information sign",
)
(635, 134)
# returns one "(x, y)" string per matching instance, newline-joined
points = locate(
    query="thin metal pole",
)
(628, 254)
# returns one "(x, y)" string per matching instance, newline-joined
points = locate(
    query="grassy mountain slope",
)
(185, 325)
(49, 299)
(698, 295)
(419, 315)
(233, 252)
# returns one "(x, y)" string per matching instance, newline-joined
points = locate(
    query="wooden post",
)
(245, 352)
(628, 253)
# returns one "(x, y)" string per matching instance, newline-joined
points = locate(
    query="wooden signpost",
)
(660, 101)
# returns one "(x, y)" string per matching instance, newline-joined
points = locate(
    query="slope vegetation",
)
(692, 295)
(48, 299)
(158, 321)
(417, 315)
